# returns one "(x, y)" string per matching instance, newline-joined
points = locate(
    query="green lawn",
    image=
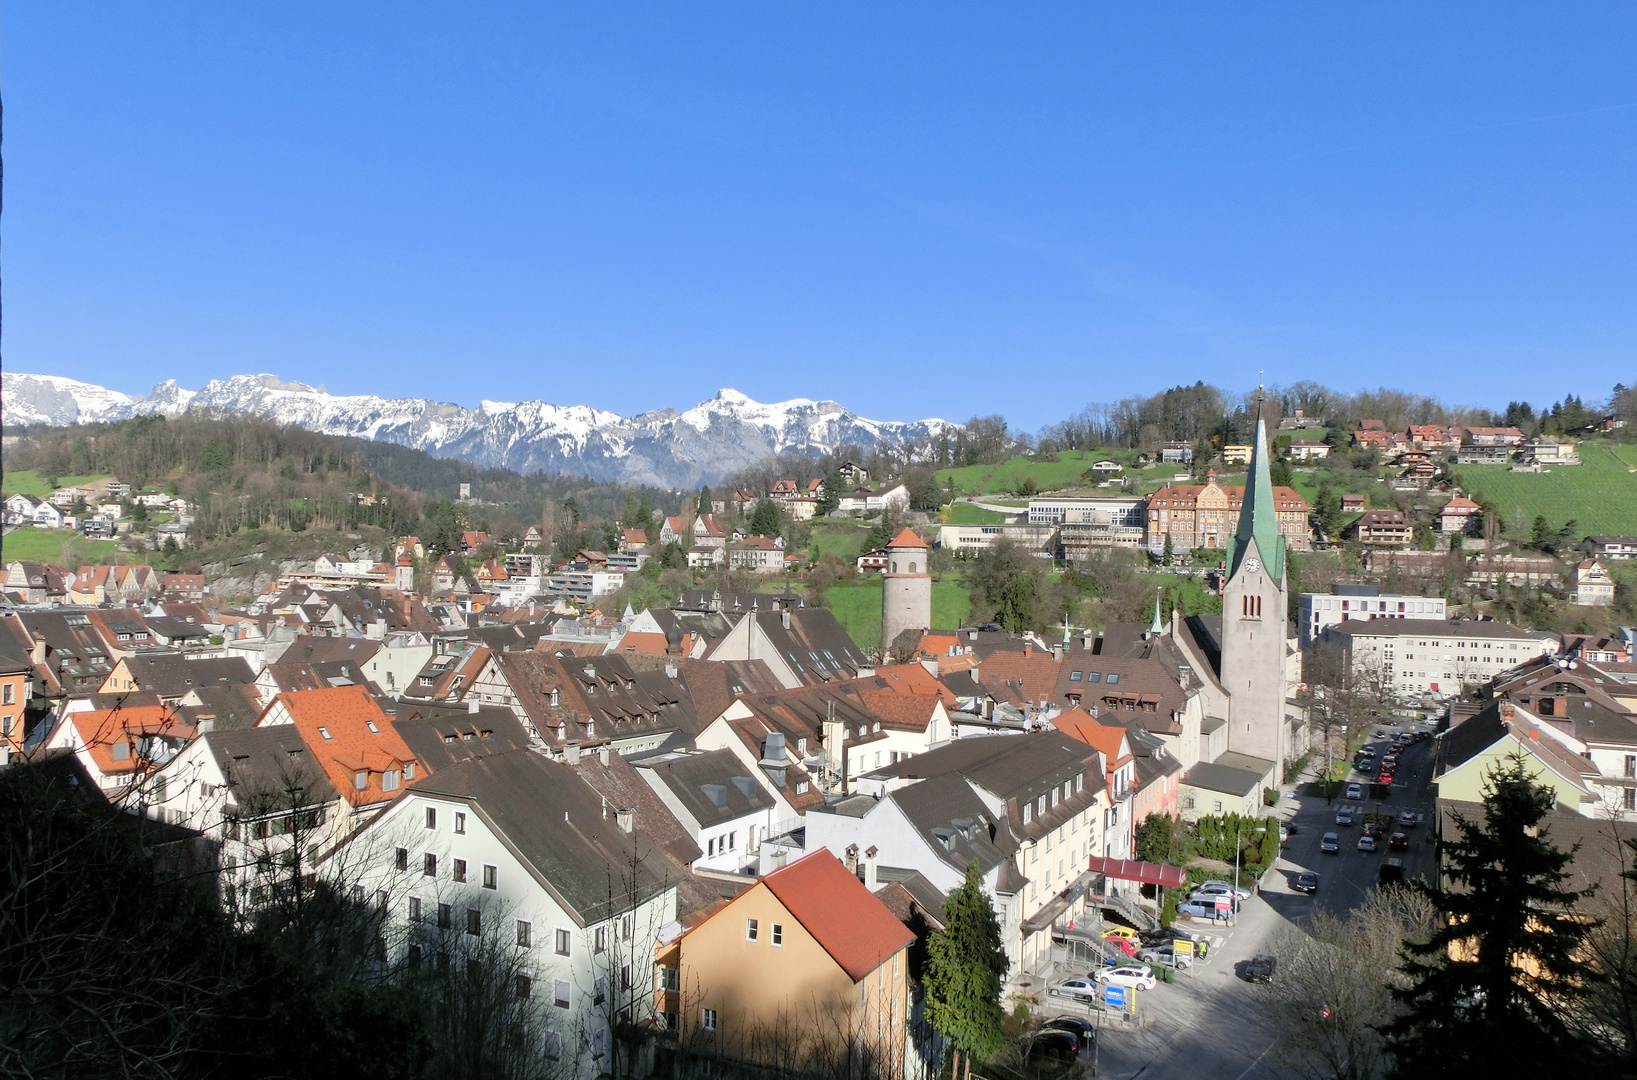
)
(845, 542)
(1188, 593)
(46, 545)
(967, 514)
(1006, 477)
(1600, 494)
(858, 607)
(27, 482)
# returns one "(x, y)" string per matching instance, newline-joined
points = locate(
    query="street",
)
(1205, 1024)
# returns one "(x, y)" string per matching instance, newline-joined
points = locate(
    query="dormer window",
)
(554, 695)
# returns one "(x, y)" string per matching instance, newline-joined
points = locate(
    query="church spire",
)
(1156, 627)
(1258, 514)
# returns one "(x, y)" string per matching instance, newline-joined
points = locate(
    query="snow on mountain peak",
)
(662, 447)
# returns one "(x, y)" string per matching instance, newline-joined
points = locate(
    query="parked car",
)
(1344, 816)
(1222, 887)
(1083, 989)
(1080, 1026)
(1407, 819)
(1055, 1044)
(1398, 842)
(1166, 955)
(1355, 792)
(1210, 900)
(1366, 751)
(1367, 843)
(1260, 969)
(1139, 975)
(1380, 733)
(1197, 909)
(1166, 934)
(1307, 883)
(1118, 931)
(1125, 945)
(1329, 844)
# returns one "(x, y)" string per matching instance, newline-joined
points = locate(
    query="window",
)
(599, 939)
(360, 779)
(474, 921)
(599, 990)
(625, 927)
(446, 916)
(389, 780)
(1113, 678)
(524, 986)
(409, 771)
(562, 942)
(778, 935)
(431, 817)
(1074, 676)
(1628, 799)
(371, 725)
(751, 930)
(414, 909)
(460, 823)
(403, 858)
(1028, 812)
(523, 930)
(670, 979)
(707, 1019)
(491, 877)
(460, 869)
(324, 733)
(429, 865)
(559, 993)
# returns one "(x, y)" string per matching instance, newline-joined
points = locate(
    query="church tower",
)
(1253, 619)
(906, 589)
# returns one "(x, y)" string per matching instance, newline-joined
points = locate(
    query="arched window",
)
(912, 568)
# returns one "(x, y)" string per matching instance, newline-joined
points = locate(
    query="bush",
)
(1294, 767)
(1270, 796)
(1168, 911)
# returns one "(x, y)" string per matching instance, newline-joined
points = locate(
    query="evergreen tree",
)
(1490, 989)
(1168, 555)
(645, 513)
(765, 521)
(965, 966)
(704, 506)
(831, 497)
(1280, 472)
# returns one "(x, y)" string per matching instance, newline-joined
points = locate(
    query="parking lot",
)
(1205, 1023)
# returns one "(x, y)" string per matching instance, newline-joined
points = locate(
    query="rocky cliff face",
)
(665, 448)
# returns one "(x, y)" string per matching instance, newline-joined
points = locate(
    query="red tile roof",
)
(855, 928)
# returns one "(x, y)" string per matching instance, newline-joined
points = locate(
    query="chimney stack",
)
(852, 859)
(626, 819)
(473, 704)
(36, 653)
(571, 752)
(602, 752)
(869, 869)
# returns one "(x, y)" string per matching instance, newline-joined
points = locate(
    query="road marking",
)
(1258, 1060)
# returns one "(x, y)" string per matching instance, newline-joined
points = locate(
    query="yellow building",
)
(804, 968)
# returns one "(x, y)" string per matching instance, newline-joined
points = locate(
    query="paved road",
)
(1205, 1025)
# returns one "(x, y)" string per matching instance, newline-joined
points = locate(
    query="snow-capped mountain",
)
(664, 448)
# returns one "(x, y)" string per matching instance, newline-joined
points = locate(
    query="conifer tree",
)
(1488, 992)
(965, 965)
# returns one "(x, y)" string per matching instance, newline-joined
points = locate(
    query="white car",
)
(1139, 975)
(1084, 989)
(1355, 792)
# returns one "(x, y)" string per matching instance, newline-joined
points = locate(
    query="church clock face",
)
(1253, 564)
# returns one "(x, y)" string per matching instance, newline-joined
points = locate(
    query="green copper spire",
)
(1156, 627)
(1258, 513)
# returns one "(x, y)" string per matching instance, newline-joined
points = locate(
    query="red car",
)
(1124, 946)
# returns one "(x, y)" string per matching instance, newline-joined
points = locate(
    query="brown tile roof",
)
(858, 931)
(1031, 670)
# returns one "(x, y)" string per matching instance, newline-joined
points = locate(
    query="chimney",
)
(1027, 649)
(852, 859)
(473, 704)
(602, 752)
(869, 869)
(1057, 653)
(36, 653)
(670, 671)
(626, 818)
(784, 616)
(571, 752)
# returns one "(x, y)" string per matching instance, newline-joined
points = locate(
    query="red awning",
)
(1145, 872)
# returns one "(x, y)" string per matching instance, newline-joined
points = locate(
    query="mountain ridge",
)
(661, 447)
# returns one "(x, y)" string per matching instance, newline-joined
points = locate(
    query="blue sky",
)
(916, 210)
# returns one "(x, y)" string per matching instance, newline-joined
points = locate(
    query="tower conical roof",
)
(1258, 514)
(1156, 627)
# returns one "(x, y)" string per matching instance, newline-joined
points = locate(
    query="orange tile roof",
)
(1105, 738)
(346, 713)
(855, 928)
(906, 538)
(101, 729)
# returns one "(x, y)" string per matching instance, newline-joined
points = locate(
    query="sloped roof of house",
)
(906, 538)
(101, 730)
(713, 786)
(266, 766)
(556, 825)
(440, 736)
(845, 918)
(171, 674)
(348, 733)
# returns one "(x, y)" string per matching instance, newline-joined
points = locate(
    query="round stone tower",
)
(906, 589)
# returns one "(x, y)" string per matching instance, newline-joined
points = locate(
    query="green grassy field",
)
(967, 514)
(1187, 593)
(1006, 477)
(845, 542)
(46, 545)
(1600, 494)
(27, 482)
(858, 607)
